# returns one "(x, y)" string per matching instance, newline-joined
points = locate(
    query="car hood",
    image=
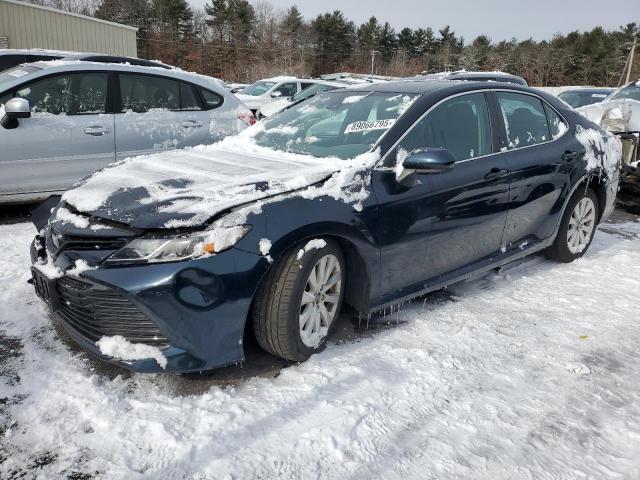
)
(187, 188)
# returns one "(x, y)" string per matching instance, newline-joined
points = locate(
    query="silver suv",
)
(63, 120)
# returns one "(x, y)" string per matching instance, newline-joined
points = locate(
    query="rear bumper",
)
(193, 311)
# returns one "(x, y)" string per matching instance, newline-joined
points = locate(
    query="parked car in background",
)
(166, 263)
(580, 97)
(265, 91)
(475, 77)
(13, 57)
(279, 104)
(64, 120)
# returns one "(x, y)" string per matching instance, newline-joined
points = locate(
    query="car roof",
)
(46, 67)
(416, 86)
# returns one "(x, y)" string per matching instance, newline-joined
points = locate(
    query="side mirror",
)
(426, 161)
(276, 94)
(13, 110)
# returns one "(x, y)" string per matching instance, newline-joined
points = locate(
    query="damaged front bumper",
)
(193, 311)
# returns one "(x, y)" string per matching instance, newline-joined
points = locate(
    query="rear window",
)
(524, 118)
(143, 93)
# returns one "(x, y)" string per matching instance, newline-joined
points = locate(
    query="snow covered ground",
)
(529, 373)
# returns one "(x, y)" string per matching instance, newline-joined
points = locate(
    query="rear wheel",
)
(296, 307)
(577, 227)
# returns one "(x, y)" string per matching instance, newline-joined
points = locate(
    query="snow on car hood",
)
(183, 188)
(621, 115)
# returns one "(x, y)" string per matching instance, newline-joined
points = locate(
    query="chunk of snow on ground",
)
(316, 243)
(79, 267)
(265, 246)
(119, 348)
(578, 368)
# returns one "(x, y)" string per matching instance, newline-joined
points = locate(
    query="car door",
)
(447, 222)
(68, 136)
(541, 160)
(150, 118)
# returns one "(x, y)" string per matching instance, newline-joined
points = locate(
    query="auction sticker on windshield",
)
(364, 126)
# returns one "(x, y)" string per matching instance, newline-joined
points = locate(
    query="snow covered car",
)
(63, 120)
(272, 108)
(269, 90)
(367, 197)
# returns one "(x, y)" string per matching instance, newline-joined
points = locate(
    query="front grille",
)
(60, 241)
(95, 311)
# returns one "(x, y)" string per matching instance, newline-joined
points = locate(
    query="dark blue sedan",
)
(366, 196)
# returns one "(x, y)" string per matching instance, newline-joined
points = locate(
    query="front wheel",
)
(296, 307)
(577, 227)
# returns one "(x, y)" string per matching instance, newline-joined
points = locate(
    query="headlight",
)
(171, 249)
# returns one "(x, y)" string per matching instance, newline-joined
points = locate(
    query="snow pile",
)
(64, 215)
(79, 267)
(264, 246)
(48, 269)
(619, 115)
(119, 348)
(218, 239)
(603, 151)
(316, 243)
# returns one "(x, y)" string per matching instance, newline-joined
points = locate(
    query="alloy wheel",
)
(581, 225)
(320, 300)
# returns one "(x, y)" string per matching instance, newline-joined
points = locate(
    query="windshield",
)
(580, 99)
(15, 73)
(341, 124)
(632, 92)
(311, 91)
(257, 88)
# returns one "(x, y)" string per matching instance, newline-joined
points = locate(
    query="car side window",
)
(524, 119)
(304, 85)
(188, 99)
(143, 93)
(460, 125)
(556, 124)
(88, 93)
(49, 95)
(286, 89)
(211, 100)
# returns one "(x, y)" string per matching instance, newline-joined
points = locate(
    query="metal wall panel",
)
(31, 26)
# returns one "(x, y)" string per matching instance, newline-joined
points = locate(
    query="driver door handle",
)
(191, 124)
(496, 173)
(96, 130)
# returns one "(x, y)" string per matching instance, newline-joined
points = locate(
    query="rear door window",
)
(525, 120)
(188, 99)
(556, 124)
(460, 125)
(211, 100)
(144, 93)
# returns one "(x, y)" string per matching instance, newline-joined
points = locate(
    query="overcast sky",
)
(499, 19)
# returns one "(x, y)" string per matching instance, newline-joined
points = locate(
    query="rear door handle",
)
(96, 130)
(191, 124)
(496, 173)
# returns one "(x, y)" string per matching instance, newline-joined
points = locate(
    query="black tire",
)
(559, 250)
(277, 304)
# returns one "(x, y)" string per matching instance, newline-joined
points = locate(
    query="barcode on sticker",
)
(364, 126)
